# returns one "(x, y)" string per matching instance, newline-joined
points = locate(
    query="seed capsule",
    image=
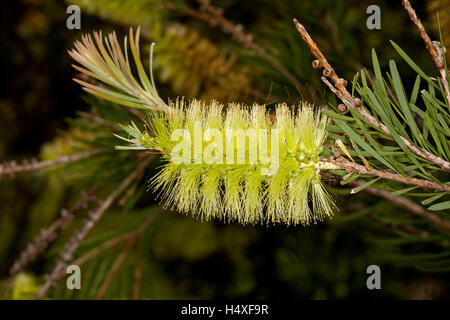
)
(316, 64)
(326, 72)
(342, 107)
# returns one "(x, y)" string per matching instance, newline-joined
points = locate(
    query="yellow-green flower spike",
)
(211, 170)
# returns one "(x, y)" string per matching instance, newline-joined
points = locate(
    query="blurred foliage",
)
(24, 287)
(195, 67)
(179, 257)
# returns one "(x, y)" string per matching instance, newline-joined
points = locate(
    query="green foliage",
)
(112, 257)
(422, 122)
(112, 67)
(25, 287)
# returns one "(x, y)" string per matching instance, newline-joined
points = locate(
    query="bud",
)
(342, 107)
(327, 72)
(316, 64)
(349, 170)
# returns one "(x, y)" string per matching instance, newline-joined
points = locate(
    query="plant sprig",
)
(110, 65)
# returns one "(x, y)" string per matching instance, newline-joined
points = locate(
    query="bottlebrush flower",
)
(211, 170)
(238, 164)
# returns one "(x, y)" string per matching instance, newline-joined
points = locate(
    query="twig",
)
(44, 239)
(79, 236)
(349, 166)
(406, 228)
(341, 92)
(214, 17)
(434, 47)
(13, 168)
(405, 204)
(100, 121)
(137, 275)
(111, 273)
(115, 241)
(132, 237)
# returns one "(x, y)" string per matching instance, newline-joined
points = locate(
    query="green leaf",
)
(398, 87)
(411, 63)
(363, 186)
(377, 70)
(440, 206)
(134, 46)
(444, 125)
(356, 138)
(116, 100)
(349, 178)
(403, 191)
(415, 92)
(433, 198)
(108, 92)
(434, 134)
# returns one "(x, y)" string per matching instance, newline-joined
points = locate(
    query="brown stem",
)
(405, 204)
(44, 239)
(100, 121)
(341, 92)
(133, 236)
(115, 241)
(406, 228)
(214, 17)
(362, 170)
(434, 47)
(137, 278)
(111, 273)
(80, 235)
(12, 168)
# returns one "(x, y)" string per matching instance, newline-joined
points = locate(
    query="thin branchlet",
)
(215, 18)
(434, 47)
(12, 168)
(105, 61)
(45, 238)
(344, 95)
(405, 204)
(75, 241)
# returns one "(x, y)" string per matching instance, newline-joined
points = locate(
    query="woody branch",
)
(73, 244)
(342, 93)
(434, 47)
